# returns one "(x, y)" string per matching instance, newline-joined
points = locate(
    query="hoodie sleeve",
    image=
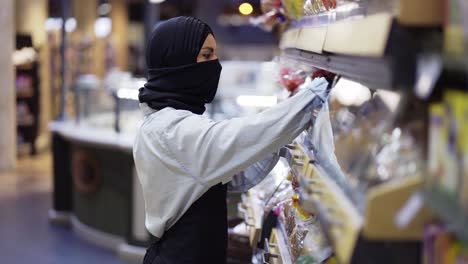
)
(213, 152)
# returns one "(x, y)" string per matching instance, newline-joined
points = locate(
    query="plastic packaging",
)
(293, 8)
(313, 7)
(255, 173)
(291, 79)
(463, 145)
(296, 241)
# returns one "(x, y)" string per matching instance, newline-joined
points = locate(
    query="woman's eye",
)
(206, 56)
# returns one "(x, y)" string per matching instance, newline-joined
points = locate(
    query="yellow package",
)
(461, 110)
(293, 8)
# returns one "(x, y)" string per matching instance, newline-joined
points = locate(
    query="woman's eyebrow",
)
(208, 48)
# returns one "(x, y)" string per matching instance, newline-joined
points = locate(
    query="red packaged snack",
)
(323, 73)
(291, 79)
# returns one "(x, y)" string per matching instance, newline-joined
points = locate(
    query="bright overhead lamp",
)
(245, 9)
(102, 27)
(156, 1)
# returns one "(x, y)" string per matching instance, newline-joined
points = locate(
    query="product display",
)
(447, 165)
(436, 144)
(313, 7)
(291, 79)
(463, 143)
(25, 59)
(300, 230)
(24, 86)
(451, 180)
(441, 247)
(355, 173)
(293, 8)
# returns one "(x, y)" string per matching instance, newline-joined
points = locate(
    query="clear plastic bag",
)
(323, 142)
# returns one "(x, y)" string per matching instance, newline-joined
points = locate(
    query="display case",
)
(96, 188)
(27, 94)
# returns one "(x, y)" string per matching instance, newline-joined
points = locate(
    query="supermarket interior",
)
(338, 133)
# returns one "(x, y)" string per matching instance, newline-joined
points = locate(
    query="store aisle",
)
(26, 236)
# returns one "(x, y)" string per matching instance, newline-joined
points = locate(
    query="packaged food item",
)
(296, 241)
(283, 193)
(462, 121)
(291, 79)
(293, 8)
(289, 217)
(331, 260)
(436, 146)
(451, 176)
(397, 157)
(329, 76)
(315, 243)
(270, 20)
(314, 7)
(300, 212)
(430, 235)
(440, 246)
(270, 5)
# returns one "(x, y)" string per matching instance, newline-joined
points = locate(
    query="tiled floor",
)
(26, 236)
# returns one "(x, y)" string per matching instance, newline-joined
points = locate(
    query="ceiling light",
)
(246, 9)
(103, 27)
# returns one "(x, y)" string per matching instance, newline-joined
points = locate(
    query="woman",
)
(184, 159)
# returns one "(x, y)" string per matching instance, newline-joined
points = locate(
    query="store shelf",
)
(252, 213)
(27, 67)
(375, 50)
(449, 209)
(409, 12)
(23, 148)
(372, 72)
(24, 96)
(25, 121)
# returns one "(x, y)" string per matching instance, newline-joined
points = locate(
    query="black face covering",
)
(174, 78)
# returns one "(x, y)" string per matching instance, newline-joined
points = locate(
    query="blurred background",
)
(389, 186)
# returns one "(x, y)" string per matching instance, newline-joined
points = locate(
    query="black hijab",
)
(175, 79)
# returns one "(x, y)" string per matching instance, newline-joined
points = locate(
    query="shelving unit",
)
(378, 62)
(449, 209)
(27, 99)
(253, 215)
(383, 52)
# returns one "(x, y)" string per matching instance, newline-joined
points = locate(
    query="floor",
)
(26, 236)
